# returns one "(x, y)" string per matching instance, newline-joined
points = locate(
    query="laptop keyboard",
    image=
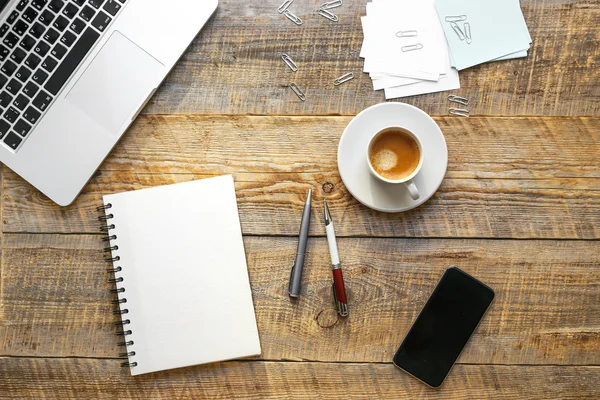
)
(42, 42)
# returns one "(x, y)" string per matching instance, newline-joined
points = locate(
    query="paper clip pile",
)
(463, 101)
(284, 9)
(324, 10)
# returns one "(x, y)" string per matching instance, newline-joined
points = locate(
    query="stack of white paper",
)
(405, 49)
(480, 31)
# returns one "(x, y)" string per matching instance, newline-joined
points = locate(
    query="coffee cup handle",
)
(412, 189)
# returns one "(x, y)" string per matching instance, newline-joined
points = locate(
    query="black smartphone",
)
(443, 327)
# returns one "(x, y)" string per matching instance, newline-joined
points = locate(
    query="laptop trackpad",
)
(116, 83)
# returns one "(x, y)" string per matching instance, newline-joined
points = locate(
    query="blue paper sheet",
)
(498, 30)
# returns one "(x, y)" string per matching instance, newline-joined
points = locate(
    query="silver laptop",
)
(75, 73)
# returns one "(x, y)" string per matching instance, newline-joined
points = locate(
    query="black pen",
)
(298, 266)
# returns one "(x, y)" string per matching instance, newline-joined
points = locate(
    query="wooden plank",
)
(102, 379)
(507, 178)
(233, 67)
(1, 240)
(547, 309)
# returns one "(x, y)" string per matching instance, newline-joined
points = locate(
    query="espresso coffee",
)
(394, 154)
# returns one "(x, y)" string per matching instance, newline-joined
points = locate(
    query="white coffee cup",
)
(407, 181)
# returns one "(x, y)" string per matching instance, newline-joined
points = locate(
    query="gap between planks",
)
(284, 361)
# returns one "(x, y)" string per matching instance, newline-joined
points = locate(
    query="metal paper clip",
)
(461, 112)
(458, 99)
(331, 4)
(293, 17)
(412, 47)
(330, 16)
(289, 62)
(284, 6)
(298, 91)
(456, 18)
(412, 33)
(344, 78)
(467, 27)
(458, 31)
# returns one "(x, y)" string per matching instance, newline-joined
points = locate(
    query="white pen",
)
(339, 290)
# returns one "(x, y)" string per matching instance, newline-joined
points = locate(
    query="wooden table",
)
(519, 208)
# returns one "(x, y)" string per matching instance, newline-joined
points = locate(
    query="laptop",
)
(74, 74)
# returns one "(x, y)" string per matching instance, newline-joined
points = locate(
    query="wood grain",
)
(546, 311)
(102, 379)
(526, 168)
(507, 178)
(234, 65)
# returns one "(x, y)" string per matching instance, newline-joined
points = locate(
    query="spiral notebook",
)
(181, 276)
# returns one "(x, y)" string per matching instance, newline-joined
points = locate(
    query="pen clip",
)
(291, 277)
(342, 308)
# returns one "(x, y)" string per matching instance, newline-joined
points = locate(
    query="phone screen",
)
(443, 327)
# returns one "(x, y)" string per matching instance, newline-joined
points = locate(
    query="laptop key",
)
(14, 86)
(5, 99)
(77, 26)
(60, 23)
(68, 38)
(39, 77)
(56, 5)
(33, 61)
(49, 64)
(3, 29)
(23, 74)
(42, 48)
(101, 21)
(21, 102)
(4, 52)
(30, 15)
(79, 2)
(42, 100)
(37, 30)
(46, 17)
(3, 81)
(11, 115)
(51, 36)
(70, 11)
(12, 17)
(112, 7)
(31, 89)
(59, 51)
(22, 127)
(32, 115)
(27, 43)
(22, 4)
(11, 40)
(20, 27)
(4, 128)
(18, 55)
(96, 3)
(8, 68)
(71, 61)
(13, 140)
(39, 4)
(87, 13)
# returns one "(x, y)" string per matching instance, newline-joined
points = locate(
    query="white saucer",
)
(354, 169)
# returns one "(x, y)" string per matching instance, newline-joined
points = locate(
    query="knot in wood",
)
(327, 318)
(328, 187)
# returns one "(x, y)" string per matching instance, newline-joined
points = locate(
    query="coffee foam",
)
(384, 160)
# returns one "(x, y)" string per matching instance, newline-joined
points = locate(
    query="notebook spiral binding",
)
(106, 227)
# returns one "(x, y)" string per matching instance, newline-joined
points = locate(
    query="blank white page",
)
(185, 275)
